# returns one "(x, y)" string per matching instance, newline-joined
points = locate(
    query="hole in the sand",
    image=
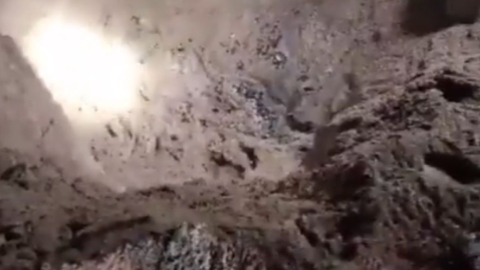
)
(251, 155)
(455, 91)
(13, 172)
(350, 124)
(298, 125)
(76, 226)
(309, 235)
(457, 167)
(455, 259)
(462, 11)
(349, 251)
(222, 161)
(423, 17)
(355, 224)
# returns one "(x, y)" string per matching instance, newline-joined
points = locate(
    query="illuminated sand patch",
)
(90, 75)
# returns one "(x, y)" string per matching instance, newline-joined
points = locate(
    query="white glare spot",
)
(85, 72)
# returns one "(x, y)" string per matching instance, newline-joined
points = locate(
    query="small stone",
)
(15, 233)
(279, 59)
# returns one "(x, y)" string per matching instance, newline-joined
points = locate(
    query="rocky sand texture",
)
(398, 189)
(388, 169)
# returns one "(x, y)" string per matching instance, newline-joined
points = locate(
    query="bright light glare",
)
(84, 71)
